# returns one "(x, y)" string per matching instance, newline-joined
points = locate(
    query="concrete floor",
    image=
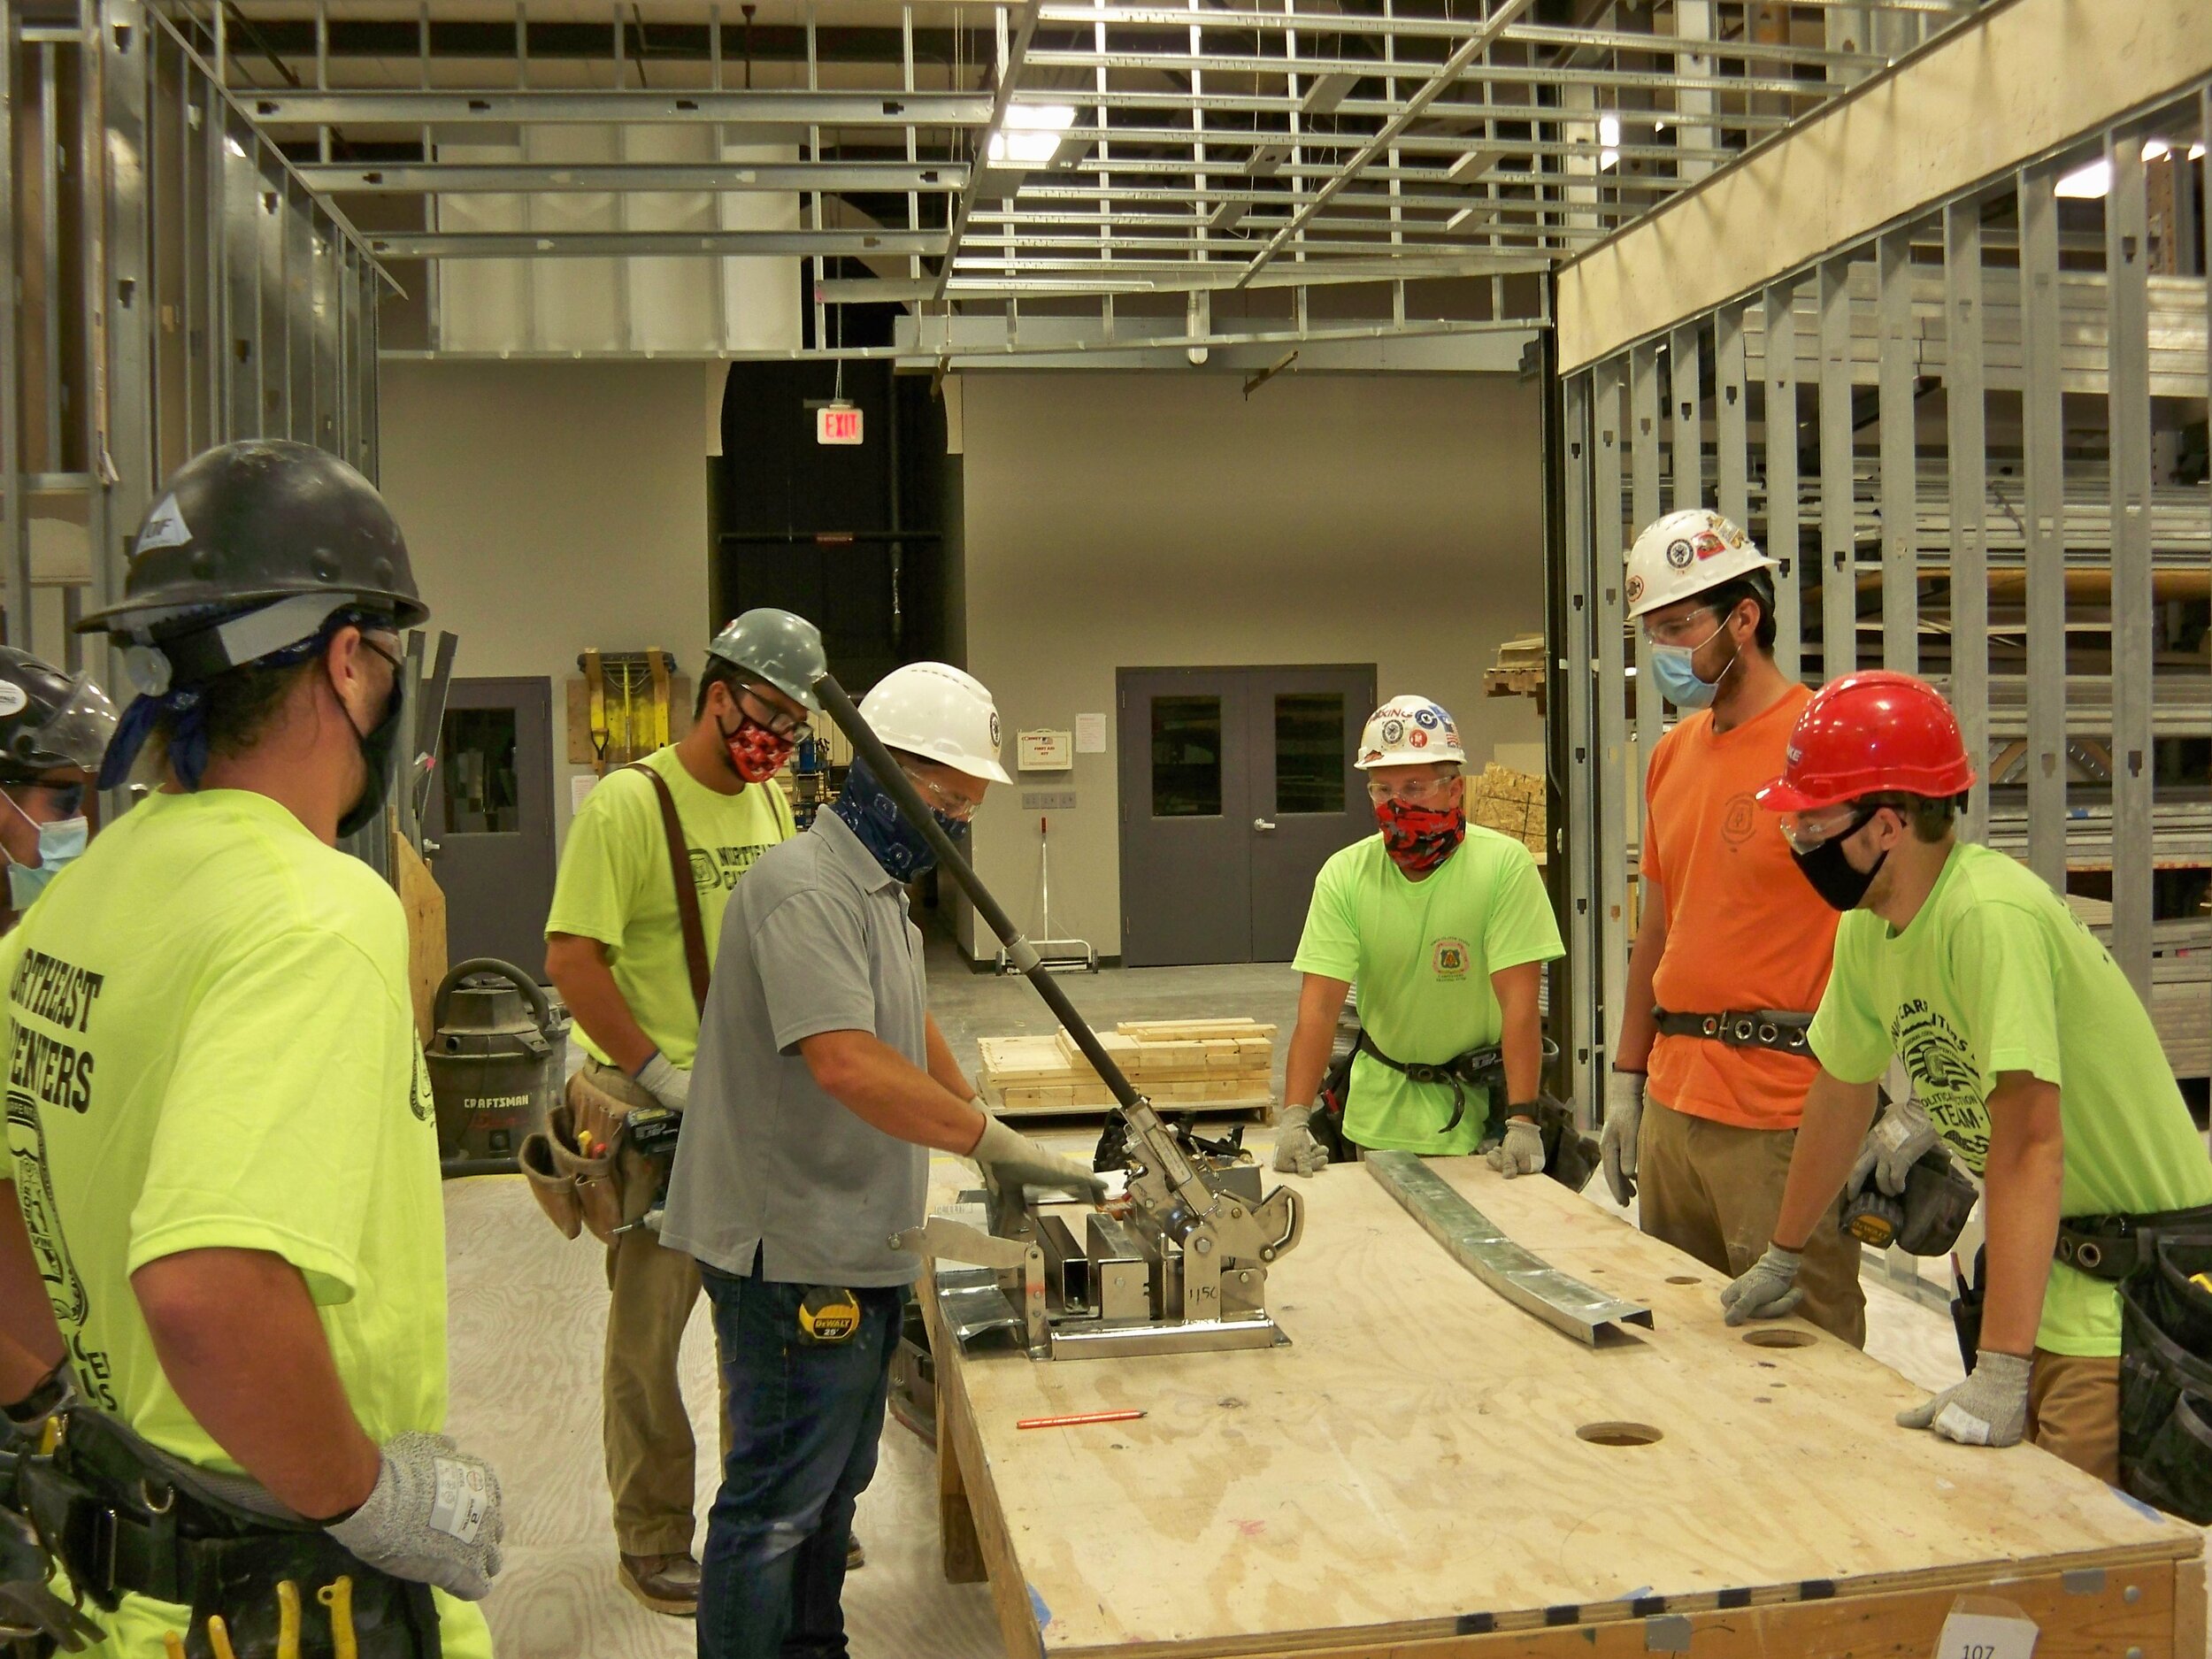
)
(526, 1303)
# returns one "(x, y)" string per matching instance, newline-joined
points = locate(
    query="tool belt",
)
(1771, 1028)
(2166, 1369)
(1477, 1068)
(2113, 1247)
(124, 1517)
(604, 1159)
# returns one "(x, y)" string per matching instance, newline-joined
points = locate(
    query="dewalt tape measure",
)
(828, 1315)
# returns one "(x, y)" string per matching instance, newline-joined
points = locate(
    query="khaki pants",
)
(2074, 1411)
(1714, 1191)
(645, 1424)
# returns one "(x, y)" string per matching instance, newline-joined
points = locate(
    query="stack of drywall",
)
(1173, 1062)
(1510, 803)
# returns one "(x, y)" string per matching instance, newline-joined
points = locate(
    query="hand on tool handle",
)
(1522, 1151)
(1010, 1160)
(665, 1082)
(433, 1516)
(1899, 1140)
(1624, 1124)
(1767, 1290)
(1989, 1409)
(1296, 1151)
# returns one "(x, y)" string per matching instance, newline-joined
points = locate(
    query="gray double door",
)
(491, 814)
(1236, 786)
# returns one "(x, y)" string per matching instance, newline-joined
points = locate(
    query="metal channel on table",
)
(1478, 1244)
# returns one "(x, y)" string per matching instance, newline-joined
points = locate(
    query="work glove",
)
(433, 1516)
(670, 1084)
(1989, 1409)
(1520, 1153)
(1296, 1151)
(1010, 1160)
(1623, 1123)
(1767, 1290)
(1900, 1138)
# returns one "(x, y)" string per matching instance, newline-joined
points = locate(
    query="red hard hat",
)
(1866, 734)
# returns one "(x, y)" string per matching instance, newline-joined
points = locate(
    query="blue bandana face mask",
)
(58, 842)
(868, 811)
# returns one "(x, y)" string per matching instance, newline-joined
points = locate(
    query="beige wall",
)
(552, 506)
(1141, 520)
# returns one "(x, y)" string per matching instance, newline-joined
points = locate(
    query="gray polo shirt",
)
(815, 938)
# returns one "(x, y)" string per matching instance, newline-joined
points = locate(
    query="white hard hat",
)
(934, 711)
(1688, 553)
(1409, 732)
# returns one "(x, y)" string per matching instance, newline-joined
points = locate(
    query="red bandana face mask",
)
(1419, 838)
(756, 753)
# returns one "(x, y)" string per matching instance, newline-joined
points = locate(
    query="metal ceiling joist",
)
(776, 108)
(475, 177)
(655, 244)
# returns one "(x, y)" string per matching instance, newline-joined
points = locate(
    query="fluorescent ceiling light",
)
(1608, 130)
(2088, 183)
(2196, 152)
(1659, 126)
(233, 146)
(2156, 149)
(1032, 134)
(1609, 159)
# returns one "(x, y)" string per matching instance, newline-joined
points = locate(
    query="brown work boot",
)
(855, 1556)
(667, 1583)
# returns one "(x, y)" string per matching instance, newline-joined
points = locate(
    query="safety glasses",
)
(1417, 792)
(958, 808)
(1805, 830)
(793, 728)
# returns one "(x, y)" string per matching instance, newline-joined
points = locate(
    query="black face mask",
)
(376, 755)
(1830, 873)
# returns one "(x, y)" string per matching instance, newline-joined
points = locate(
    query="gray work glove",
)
(1296, 1151)
(1520, 1153)
(1900, 1138)
(1989, 1409)
(1623, 1123)
(1010, 1160)
(670, 1084)
(1767, 1290)
(433, 1516)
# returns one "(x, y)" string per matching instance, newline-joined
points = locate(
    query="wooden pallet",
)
(1408, 1470)
(1213, 1065)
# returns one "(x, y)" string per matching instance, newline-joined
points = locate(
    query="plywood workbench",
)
(1405, 1479)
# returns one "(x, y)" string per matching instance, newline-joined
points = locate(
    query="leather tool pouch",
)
(616, 1184)
(2166, 1374)
(552, 1187)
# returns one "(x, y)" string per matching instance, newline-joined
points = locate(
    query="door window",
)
(1186, 757)
(1309, 751)
(480, 773)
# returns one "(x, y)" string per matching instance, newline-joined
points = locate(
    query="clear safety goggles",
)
(78, 730)
(1805, 830)
(1415, 792)
(959, 808)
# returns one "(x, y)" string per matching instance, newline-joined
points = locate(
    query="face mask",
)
(1830, 873)
(58, 842)
(867, 809)
(1419, 838)
(376, 755)
(1678, 681)
(755, 754)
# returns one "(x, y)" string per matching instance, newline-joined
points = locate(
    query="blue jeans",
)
(804, 1422)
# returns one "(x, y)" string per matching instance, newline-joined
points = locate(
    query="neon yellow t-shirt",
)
(1996, 974)
(615, 886)
(1423, 953)
(211, 1046)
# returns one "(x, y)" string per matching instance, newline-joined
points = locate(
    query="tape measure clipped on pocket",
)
(828, 1315)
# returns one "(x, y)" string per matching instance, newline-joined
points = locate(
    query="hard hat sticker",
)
(1679, 554)
(13, 699)
(164, 527)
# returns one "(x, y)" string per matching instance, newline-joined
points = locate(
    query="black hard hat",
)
(50, 721)
(256, 522)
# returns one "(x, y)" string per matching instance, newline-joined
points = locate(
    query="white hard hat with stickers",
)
(1686, 554)
(1409, 732)
(936, 711)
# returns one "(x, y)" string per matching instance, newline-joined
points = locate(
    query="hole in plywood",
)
(1780, 1339)
(1618, 1433)
(1684, 1279)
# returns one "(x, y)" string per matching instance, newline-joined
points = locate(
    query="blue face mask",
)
(1678, 681)
(869, 811)
(58, 842)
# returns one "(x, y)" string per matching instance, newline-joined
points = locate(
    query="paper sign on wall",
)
(579, 786)
(1090, 734)
(1043, 751)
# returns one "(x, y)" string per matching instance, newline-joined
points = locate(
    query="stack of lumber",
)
(1510, 803)
(1174, 1063)
(1519, 670)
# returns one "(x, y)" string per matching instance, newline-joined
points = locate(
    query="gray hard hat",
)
(784, 650)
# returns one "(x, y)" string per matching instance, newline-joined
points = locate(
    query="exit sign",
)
(837, 423)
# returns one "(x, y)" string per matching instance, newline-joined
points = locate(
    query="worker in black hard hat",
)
(223, 1144)
(54, 727)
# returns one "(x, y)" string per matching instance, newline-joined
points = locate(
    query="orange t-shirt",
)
(1745, 930)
